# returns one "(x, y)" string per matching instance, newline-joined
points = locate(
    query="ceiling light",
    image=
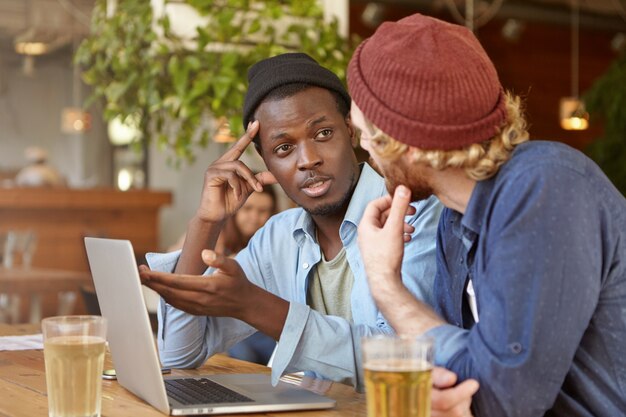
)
(573, 114)
(512, 30)
(124, 179)
(618, 42)
(75, 120)
(572, 109)
(373, 15)
(31, 48)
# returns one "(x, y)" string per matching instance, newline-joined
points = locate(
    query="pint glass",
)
(397, 375)
(74, 356)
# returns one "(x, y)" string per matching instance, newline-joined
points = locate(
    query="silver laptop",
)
(118, 288)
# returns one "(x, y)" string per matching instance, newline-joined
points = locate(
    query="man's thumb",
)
(219, 261)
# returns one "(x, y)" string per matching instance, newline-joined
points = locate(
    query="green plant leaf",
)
(137, 72)
(606, 103)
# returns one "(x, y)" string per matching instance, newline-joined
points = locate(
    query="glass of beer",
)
(397, 375)
(74, 356)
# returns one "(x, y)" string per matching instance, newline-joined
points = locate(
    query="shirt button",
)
(305, 265)
(515, 347)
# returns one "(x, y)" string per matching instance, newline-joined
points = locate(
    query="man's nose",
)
(308, 157)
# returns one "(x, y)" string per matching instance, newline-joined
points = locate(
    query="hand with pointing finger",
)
(382, 234)
(228, 181)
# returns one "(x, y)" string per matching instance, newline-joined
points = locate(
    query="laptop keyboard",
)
(189, 391)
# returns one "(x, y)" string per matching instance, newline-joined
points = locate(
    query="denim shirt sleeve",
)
(536, 282)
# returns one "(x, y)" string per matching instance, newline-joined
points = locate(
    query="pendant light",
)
(572, 109)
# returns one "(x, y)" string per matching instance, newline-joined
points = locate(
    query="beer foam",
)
(397, 365)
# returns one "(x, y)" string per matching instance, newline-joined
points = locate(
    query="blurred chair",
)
(17, 249)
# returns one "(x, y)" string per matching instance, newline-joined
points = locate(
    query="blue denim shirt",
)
(280, 257)
(544, 243)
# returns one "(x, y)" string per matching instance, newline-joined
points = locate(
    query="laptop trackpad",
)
(251, 383)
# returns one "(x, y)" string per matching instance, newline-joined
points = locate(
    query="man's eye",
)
(324, 133)
(282, 149)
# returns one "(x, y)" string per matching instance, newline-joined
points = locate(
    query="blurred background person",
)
(38, 172)
(257, 209)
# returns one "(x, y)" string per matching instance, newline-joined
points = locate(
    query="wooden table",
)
(36, 282)
(23, 386)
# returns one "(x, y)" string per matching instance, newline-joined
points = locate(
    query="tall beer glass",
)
(397, 375)
(74, 356)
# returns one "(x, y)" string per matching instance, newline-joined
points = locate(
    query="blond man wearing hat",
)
(531, 248)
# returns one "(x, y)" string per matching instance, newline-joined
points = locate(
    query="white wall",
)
(30, 114)
(185, 185)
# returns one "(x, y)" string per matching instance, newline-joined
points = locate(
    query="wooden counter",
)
(62, 217)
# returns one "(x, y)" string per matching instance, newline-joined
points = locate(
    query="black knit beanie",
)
(270, 73)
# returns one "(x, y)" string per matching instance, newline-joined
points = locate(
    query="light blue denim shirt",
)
(280, 258)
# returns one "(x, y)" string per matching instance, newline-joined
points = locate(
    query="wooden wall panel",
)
(62, 217)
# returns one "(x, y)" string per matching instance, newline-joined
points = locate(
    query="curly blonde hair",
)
(479, 160)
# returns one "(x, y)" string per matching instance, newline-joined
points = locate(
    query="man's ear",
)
(352, 131)
(411, 154)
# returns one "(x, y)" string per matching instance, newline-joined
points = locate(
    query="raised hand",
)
(228, 181)
(382, 233)
(381, 237)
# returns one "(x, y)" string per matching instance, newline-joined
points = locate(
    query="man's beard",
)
(397, 174)
(330, 208)
(336, 207)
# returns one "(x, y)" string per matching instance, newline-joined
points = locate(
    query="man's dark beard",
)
(336, 207)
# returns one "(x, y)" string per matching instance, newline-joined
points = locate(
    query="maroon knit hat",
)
(427, 83)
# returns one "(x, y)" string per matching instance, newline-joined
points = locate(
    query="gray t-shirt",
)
(331, 286)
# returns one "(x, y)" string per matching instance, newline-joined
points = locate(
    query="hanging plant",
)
(176, 86)
(606, 101)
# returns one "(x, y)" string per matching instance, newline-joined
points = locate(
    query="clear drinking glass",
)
(74, 357)
(397, 375)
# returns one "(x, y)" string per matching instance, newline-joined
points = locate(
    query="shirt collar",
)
(477, 205)
(368, 187)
